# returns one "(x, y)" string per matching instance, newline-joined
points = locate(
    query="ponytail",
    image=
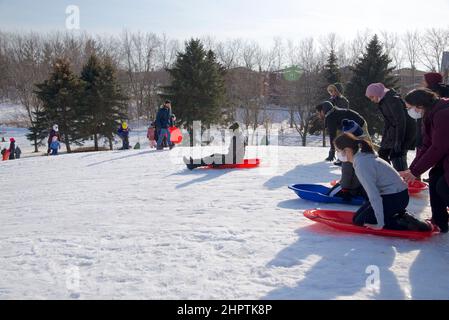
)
(348, 140)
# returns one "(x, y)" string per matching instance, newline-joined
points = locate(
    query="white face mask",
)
(342, 157)
(414, 114)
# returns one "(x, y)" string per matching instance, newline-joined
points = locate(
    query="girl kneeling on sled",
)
(387, 192)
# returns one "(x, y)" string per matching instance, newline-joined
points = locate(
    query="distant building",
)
(409, 79)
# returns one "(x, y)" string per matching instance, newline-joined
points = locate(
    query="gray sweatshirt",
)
(378, 178)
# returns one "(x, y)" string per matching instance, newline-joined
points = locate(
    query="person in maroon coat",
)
(434, 152)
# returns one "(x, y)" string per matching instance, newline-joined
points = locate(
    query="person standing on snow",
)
(53, 133)
(434, 153)
(12, 149)
(123, 133)
(162, 124)
(399, 134)
(336, 96)
(55, 146)
(151, 135)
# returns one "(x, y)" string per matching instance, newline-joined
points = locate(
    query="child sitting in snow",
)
(151, 135)
(55, 146)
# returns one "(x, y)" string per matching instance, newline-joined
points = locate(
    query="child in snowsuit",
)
(53, 133)
(55, 146)
(151, 135)
(5, 154)
(235, 155)
(123, 133)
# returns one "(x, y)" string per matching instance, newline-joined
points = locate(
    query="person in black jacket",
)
(399, 134)
(162, 124)
(336, 96)
(12, 149)
(333, 117)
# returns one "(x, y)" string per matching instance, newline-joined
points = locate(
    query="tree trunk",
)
(67, 144)
(291, 118)
(110, 143)
(324, 137)
(96, 142)
(36, 149)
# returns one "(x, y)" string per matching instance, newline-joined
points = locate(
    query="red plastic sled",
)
(414, 187)
(175, 135)
(247, 164)
(342, 220)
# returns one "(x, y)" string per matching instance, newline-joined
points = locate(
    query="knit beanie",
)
(376, 90)
(350, 126)
(433, 78)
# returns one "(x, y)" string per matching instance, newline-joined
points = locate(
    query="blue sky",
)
(250, 19)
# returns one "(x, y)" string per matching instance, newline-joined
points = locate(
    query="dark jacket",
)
(441, 89)
(163, 118)
(399, 128)
(435, 148)
(123, 133)
(53, 133)
(340, 102)
(334, 119)
(349, 180)
(12, 151)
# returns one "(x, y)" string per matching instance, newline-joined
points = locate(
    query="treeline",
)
(245, 74)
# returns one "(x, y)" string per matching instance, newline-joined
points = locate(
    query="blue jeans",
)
(163, 133)
(54, 152)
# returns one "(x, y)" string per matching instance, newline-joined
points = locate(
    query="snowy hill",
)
(137, 224)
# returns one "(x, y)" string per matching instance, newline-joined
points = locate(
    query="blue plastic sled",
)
(318, 193)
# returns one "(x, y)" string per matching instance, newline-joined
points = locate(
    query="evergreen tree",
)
(372, 67)
(115, 101)
(197, 90)
(104, 102)
(331, 69)
(39, 129)
(62, 102)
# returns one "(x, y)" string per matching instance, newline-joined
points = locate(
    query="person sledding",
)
(123, 133)
(235, 155)
(349, 186)
(54, 132)
(388, 195)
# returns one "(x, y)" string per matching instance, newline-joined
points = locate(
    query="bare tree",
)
(411, 45)
(393, 48)
(140, 57)
(433, 44)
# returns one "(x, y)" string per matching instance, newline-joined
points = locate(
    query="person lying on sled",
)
(235, 155)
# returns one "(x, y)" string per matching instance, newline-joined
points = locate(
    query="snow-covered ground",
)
(137, 224)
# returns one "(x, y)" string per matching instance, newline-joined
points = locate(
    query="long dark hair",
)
(348, 140)
(425, 98)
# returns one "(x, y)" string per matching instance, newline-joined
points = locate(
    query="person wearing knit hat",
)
(399, 134)
(434, 82)
(350, 126)
(332, 117)
(376, 92)
(336, 96)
